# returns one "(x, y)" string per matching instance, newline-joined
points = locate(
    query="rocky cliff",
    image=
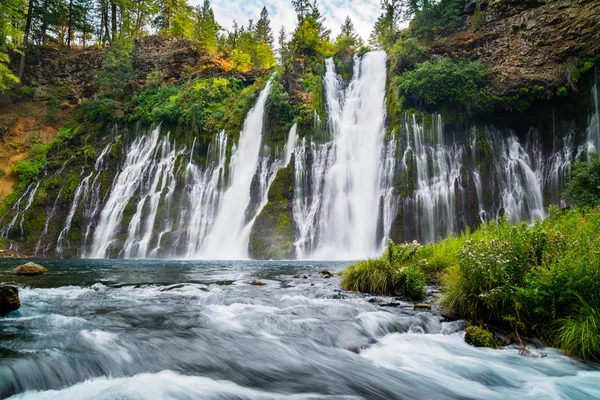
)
(526, 43)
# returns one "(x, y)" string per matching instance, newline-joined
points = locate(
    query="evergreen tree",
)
(263, 28)
(348, 34)
(207, 28)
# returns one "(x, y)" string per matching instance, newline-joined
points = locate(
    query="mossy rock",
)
(29, 269)
(272, 235)
(478, 336)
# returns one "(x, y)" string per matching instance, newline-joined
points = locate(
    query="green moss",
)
(479, 337)
(272, 235)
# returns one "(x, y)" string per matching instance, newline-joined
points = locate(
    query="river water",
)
(132, 329)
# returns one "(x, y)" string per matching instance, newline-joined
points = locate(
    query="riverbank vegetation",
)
(534, 279)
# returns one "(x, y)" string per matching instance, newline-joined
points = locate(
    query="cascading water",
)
(438, 168)
(353, 188)
(230, 231)
(161, 178)
(593, 131)
(342, 222)
(124, 186)
(204, 189)
(520, 181)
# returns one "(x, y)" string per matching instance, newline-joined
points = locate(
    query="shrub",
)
(103, 110)
(583, 183)
(443, 81)
(479, 337)
(28, 169)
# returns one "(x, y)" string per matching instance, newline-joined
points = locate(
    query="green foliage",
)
(53, 109)
(370, 276)
(435, 19)
(398, 270)
(207, 28)
(28, 169)
(205, 105)
(478, 336)
(531, 279)
(405, 55)
(7, 78)
(579, 333)
(583, 184)
(436, 82)
(117, 70)
(102, 110)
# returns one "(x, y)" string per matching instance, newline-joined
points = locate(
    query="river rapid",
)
(149, 329)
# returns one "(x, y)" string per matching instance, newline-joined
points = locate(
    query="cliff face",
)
(74, 69)
(526, 43)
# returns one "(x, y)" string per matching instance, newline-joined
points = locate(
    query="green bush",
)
(436, 82)
(102, 110)
(583, 184)
(479, 337)
(28, 169)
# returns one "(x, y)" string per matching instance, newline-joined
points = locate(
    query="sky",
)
(362, 12)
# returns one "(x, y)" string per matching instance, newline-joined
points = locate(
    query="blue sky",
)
(362, 12)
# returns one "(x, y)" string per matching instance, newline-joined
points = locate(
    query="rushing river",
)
(105, 329)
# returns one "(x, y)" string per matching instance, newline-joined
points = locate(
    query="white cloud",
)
(362, 12)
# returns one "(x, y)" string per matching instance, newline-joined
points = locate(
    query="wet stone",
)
(9, 299)
(29, 269)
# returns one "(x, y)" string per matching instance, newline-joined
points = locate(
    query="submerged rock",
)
(29, 269)
(422, 306)
(9, 299)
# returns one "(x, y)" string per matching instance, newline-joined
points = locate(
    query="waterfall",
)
(125, 184)
(291, 144)
(520, 180)
(29, 193)
(389, 199)
(593, 131)
(338, 184)
(204, 189)
(161, 178)
(438, 171)
(348, 221)
(311, 163)
(81, 188)
(230, 231)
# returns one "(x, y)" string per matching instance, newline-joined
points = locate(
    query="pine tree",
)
(348, 33)
(207, 28)
(263, 28)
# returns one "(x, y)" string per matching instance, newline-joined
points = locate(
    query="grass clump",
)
(371, 276)
(399, 270)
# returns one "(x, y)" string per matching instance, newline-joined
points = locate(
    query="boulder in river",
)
(9, 299)
(29, 269)
(258, 282)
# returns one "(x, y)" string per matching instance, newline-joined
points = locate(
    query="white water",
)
(124, 186)
(438, 167)
(520, 182)
(203, 191)
(593, 131)
(228, 238)
(291, 144)
(81, 188)
(161, 176)
(337, 212)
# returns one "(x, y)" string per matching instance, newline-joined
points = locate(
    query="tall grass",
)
(579, 334)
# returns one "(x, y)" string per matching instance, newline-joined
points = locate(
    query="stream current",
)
(149, 329)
